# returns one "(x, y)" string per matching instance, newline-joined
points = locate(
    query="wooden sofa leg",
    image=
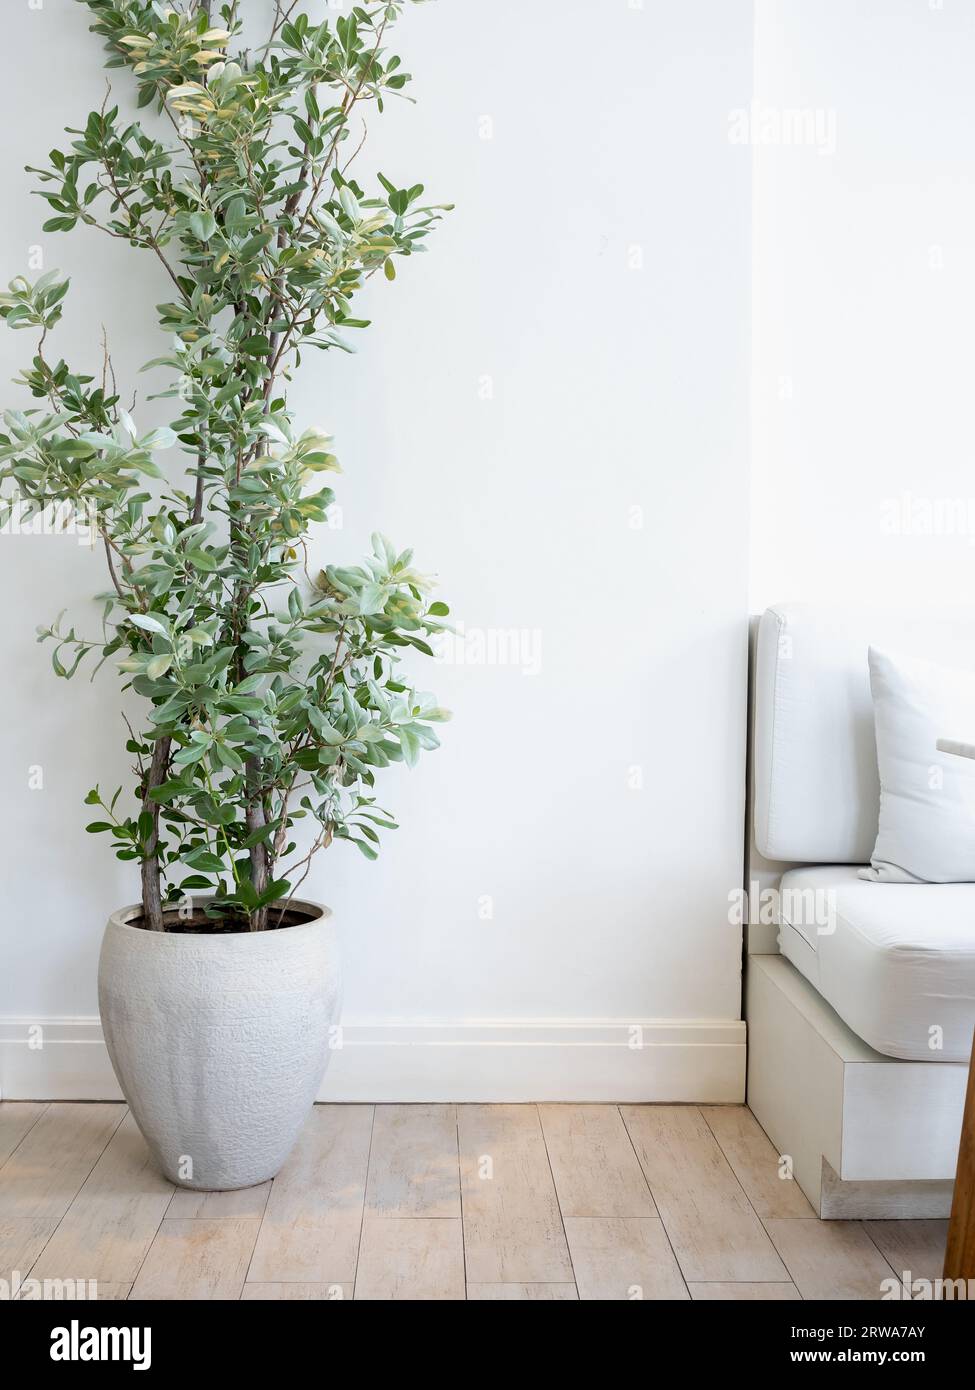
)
(960, 1251)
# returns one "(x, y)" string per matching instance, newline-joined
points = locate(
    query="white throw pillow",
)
(927, 798)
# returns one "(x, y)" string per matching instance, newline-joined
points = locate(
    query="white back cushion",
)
(816, 789)
(927, 798)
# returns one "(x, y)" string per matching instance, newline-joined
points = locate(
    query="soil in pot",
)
(199, 924)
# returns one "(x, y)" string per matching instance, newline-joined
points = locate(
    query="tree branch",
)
(151, 895)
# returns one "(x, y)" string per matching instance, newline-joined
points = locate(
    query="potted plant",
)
(272, 697)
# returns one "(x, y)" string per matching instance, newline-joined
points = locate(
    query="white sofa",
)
(860, 995)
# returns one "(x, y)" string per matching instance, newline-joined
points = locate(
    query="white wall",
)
(573, 348)
(863, 304)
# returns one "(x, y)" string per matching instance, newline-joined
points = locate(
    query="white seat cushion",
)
(896, 961)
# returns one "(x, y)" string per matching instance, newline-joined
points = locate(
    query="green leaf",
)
(274, 891)
(203, 225)
(203, 560)
(410, 745)
(228, 392)
(254, 245)
(162, 438)
(72, 449)
(226, 757)
(158, 666)
(193, 753)
(257, 344)
(169, 791)
(195, 881)
(206, 860)
(243, 704)
(147, 623)
(323, 728)
(350, 204)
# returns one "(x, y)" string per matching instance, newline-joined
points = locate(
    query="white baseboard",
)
(701, 1060)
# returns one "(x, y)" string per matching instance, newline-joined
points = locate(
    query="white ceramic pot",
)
(219, 1042)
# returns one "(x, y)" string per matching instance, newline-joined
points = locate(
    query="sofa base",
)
(870, 1137)
(882, 1201)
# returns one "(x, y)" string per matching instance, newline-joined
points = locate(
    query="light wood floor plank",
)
(16, 1118)
(623, 1258)
(595, 1169)
(754, 1161)
(512, 1225)
(110, 1225)
(44, 1174)
(310, 1231)
(714, 1231)
(413, 1166)
(79, 1200)
(22, 1238)
(323, 1293)
(521, 1293)
(411, 1258)
(744, 1293)
(192, 1259)
(830, 1259)
(243, 1201)
(915, 1247)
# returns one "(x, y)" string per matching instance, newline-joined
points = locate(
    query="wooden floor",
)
(444, 1202)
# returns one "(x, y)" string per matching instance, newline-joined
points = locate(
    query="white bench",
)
(860, 997)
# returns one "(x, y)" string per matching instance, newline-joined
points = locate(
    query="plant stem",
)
(151, 895)
(256, 820)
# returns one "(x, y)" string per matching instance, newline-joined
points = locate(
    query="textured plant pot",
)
(219, 1042)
